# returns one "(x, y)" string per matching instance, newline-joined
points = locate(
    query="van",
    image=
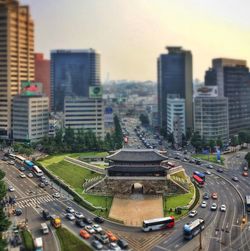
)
(44, 228)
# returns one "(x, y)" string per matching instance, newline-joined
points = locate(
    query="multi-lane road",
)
(224, 230)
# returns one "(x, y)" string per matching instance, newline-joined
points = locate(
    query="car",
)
(245, 168)
(42, 178)
(192, 161)
(98, 219)
(70, 210)
(11, 189)
(79, 223)
(223, 208)
(70, 216)
(89, 229)
(122, 243)
(214, 196)
(219, 170)
(46, 182)
(193, 213)
(235, 179)
(46, 215)
(204, 204)
(84, 234)
(30, 175)
(5, 158)
(97, 228)
(18, 211)
(22, 175)
(22, 169)
(11, 162)
(79, 215)
(111, 236)
(87, 220)
(245, 174)
(207, 172)
(41, 184)
(56, 195)
(210, 167)
(103, 238)
(205, 196)
(114, 246)
(213, 207)
(97, 244)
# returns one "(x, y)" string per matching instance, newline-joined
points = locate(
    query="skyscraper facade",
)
(72, 73)
(16, 57)
(233, 81)
(175, 80)
(42, 72)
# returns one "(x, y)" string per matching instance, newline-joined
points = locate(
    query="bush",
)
(27, 240)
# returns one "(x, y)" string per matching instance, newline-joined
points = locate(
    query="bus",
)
(201, 175)
(190, 230)
(28, 164)
(37, 171)
(20, 159)
(157, 224)
(198, 180)
(248, 203)
(11, 156)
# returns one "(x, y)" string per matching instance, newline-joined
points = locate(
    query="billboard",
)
(95, 91)
(29, 88)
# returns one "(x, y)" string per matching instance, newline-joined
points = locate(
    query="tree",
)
(211, 144)
(247, 158)
(4, 221)
(196, 141)
(219, 142)
(235, 141)
(117, 137)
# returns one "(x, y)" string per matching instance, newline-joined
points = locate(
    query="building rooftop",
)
(137, 155)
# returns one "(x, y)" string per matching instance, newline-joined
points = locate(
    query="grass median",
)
(69, 242)
(209, 157)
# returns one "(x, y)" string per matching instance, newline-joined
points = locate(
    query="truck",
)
(44, 228)
(55, 221)
(38, 242)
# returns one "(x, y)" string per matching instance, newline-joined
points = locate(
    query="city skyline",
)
(130, 44)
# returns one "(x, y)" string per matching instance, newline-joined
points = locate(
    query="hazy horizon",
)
(130, 35)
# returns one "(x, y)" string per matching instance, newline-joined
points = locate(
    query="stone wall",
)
(111, 186)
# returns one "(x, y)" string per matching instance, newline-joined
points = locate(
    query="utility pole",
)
(200, 239)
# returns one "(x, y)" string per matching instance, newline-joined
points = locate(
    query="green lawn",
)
(27, 240)
(69, 242)
(180, 175)
(210, 158)
(59, 157)
(71, 174)
(177, 201)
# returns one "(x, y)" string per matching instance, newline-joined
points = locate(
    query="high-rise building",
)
(175, 80)
(42, 72)
(233, 81)
(30, 117)
(17, 57)
(211, 114)
(72, 73)
(84, 113)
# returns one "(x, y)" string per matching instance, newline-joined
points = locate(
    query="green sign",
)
(95, 91)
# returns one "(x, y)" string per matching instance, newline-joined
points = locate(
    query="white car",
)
(204, 204)
(70, 216)
(114, 246)
(208, 172)
(213, 207)
(30, 175)
(97, 228)
(11, 162)
(192, 213)
(70, 210)
(79, 215)
(90, 229)
(56, 195)
(22, 175)
(210, 166)
(223, 208)
(11, 189)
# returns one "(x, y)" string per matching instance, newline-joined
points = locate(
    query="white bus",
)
(12, 156)
(20, 159)
(157, 224)
(37, 171)
(193, 228)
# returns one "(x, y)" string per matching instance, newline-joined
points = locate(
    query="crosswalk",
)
(34, 201)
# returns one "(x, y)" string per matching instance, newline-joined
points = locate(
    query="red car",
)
(214, 196)
(245, 174)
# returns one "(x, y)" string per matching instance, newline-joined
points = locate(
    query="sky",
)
(131, 34)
